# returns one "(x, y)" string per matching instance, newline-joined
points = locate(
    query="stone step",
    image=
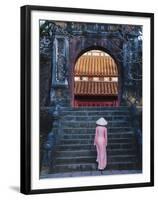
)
(91, 146)
(122, 135)
(93, 152)
(83, 130)
(75, 150)
(92, 124)
(92, 108)
(90, 141)
(94, 118)
(90, 173)
(100, 113)
(91, 159)
(93, 166)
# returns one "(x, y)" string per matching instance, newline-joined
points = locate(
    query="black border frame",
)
(25, 153)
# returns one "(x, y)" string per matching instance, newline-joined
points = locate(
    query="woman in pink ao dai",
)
(100, 141)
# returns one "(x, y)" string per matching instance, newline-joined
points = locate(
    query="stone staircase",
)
(75, 151)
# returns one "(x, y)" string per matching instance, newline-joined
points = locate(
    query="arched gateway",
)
(95, 80)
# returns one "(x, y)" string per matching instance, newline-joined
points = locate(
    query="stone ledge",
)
(90, 173)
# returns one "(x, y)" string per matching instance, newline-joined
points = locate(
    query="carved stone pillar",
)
(60, 62)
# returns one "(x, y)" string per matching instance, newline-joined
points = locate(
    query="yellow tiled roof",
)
(95, 66)
(96, 88)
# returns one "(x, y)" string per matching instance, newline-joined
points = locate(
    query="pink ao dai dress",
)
(100, 141)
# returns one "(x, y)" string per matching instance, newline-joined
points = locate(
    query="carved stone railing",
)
(136, 121)
(49, 137)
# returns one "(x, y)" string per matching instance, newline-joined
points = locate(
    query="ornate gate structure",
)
(61, 45)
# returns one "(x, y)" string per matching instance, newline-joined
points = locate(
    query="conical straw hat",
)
(101, 122)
